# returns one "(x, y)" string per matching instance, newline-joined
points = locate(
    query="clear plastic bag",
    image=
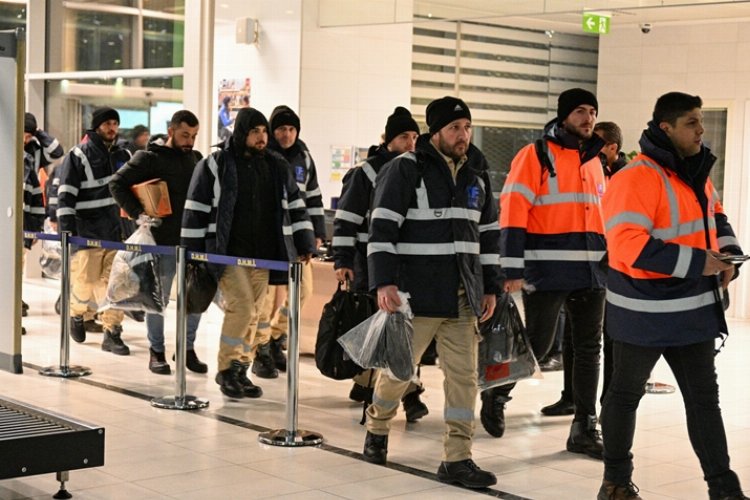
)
(505, 354)
(384, 341)
(135, 283)
(51, 258)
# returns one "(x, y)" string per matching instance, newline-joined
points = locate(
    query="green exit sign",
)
(595, 23)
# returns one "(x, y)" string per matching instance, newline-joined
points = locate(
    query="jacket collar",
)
(587, 149)
(693, 170)
(475, 160)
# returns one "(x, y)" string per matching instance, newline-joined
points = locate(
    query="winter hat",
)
(441, 112)
(283, 115)
(571, 99)
(101, 115)
(398, 123)
(29, 123)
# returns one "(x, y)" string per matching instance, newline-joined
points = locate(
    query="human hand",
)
(488, 307)
(343, 274)
(511, 286)
(388, 299)
(714, 265)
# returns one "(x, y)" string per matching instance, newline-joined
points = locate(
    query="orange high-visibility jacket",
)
(658, 229)
(551, 227)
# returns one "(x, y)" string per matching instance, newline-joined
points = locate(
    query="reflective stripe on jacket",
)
(658, 229)
(552, 228)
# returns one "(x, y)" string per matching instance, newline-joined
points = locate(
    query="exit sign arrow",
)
(596, 23)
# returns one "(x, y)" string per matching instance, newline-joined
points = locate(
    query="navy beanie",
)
(398, 123)
(283, 115)
(441, 112)
(101, 115)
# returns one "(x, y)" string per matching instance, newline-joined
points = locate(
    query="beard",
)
(578, 132)
(252, 151)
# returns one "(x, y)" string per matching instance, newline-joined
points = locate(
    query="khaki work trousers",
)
(457, 342)
(275, 325)
(243, 290)
(89, 276)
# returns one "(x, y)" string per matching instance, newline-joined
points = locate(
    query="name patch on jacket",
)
(299, 173)
(472, 197)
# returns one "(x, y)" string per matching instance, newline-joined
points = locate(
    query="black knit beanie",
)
(571, 99)
(441, 112)
(283, 115)
(101, 115)
(398, 123)
(29, 123)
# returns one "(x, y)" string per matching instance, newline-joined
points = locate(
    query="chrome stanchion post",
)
(64, 370)
(180, 401)
(291, 436)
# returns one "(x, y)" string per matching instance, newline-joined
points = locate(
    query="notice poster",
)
(342, 159)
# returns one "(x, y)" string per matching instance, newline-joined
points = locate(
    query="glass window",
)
(500, 145)
(163, 47)
(12, 15)
(715, 137)
(100, 40)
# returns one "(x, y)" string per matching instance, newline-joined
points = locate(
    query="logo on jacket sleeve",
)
(299, 173)
(472, 196)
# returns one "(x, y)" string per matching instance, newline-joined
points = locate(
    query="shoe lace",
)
(471, 465)
(630, 490)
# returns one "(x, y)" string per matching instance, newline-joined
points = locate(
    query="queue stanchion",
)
(181, 400)
(64, 369)
(291, 436)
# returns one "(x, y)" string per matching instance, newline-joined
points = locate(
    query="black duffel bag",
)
(346, 310)
(201, 285)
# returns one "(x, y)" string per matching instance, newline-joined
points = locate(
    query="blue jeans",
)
(695, 371)
(155, 322)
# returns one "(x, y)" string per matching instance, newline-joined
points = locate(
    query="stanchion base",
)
(175, 403)
(283, 437)
(65, 371)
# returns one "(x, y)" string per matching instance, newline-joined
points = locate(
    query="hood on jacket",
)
(247, 119)
(656, 144)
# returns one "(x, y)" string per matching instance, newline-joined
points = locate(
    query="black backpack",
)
(345, 311)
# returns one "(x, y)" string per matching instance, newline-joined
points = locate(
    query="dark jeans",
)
(583, 315)
(693, 367)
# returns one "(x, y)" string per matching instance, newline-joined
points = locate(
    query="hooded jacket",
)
(212, 194)
(85, 207)
(551, 226)
(662, 214)
(171, 165)
(33, 207)
(351, 223)
(432, 235)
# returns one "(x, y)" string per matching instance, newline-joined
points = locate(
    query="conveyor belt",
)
(35, 441)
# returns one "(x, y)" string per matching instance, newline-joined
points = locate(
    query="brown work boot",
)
(612, 491)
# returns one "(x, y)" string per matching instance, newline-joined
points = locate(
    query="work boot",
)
(725, 486)
(376, 448)
(429, 357)
(361, 394)
(277, 354)
(113, 341)
(77, 330)
(24, 309)
(612, 491)
(157, 363)
(249, 390)
(562, 407)
(92, 326)
(585, 438)
(413, 406)
(23, 330)
(551, 363)
(229, 382)
(466, 473)
(194, 364)
(493, 412)
(263, 365)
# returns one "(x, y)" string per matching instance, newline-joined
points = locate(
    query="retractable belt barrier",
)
(291, 436)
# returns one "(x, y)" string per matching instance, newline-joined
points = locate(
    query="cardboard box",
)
(154, 197)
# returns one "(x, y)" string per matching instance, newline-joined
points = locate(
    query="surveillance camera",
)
(645, 28)
(149, 93)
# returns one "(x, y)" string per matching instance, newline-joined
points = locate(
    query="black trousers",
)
(694, 368)
(584, 310)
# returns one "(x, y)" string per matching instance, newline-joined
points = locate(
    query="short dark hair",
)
(610, 132)
(183, 116)
(673, 105)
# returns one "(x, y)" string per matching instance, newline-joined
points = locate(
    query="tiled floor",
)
(215, 453)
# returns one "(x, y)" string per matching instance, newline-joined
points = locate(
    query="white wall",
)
(274, 65)
(709, 60)
(352, 78)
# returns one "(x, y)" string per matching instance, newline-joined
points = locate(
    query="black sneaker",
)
(92, 326)
(113, 342)
(77, 330)
(23, 330)
(612, 491)
(562, 407)
(157, 363)
(413, 406)
(376, 448)
(585, 438)
(361, 394)
(466, 473)
(552, 363)
(249, 390)
(277, 354)
(263, 365)
(493, 412)
(24, 309)
(229, 382)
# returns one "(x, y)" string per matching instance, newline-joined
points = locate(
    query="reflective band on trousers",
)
(661, 306)
(568, 255)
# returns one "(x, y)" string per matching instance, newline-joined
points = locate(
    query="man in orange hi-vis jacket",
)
(665, 231)
(551, 243)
